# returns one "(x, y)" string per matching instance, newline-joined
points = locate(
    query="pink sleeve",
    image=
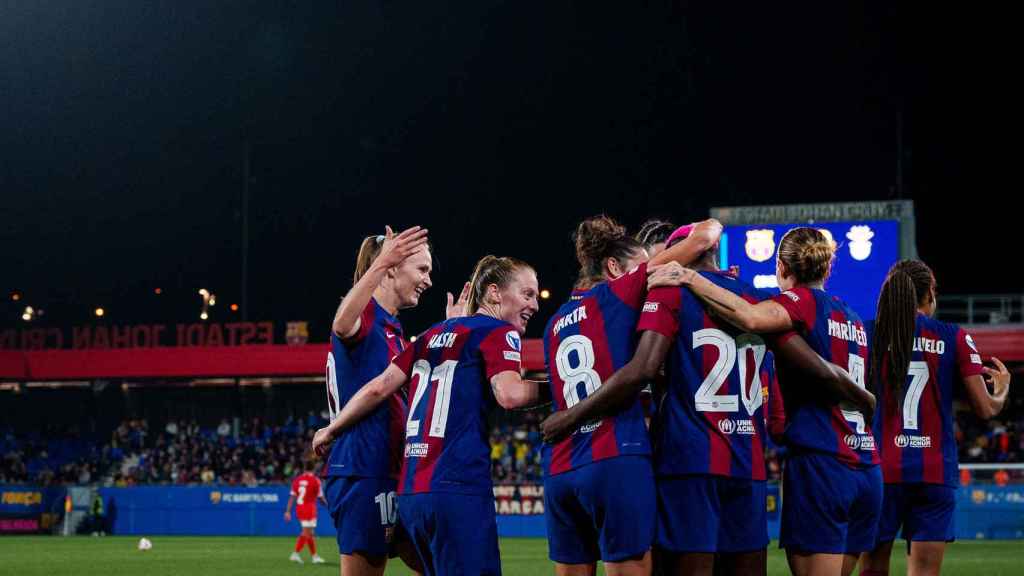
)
(968, 359)
(801, 306)
(501, 351)
(631, 286)
(366, 318)
(661, 311)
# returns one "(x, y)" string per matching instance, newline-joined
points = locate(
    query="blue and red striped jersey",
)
(372, 447)
(836, 333)
(915, 425)
(713, 417)
(585, 342)
(450, 367)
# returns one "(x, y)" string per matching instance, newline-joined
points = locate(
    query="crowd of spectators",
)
(255, 452)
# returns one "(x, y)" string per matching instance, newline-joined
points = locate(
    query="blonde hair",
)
(807, 254)
(491, 270)
(368, 252)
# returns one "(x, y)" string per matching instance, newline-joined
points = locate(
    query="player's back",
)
(306, 489)
(836, 332)
(585, 342)
(450, 367)
(712, 418)
(915, 425)
(372, 447)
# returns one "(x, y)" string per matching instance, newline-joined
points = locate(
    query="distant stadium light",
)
(99, 312)
(545, 294)
(157, 291)
(234, 307)
(213, 299)
(204, 292)
(28, 314)
(203, 316)
(15, 296)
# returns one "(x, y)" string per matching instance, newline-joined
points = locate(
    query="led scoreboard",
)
(869, 238)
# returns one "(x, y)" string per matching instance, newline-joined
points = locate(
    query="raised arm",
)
(512, 391)
(837, 383)
(984, 404)
(689, 249)
(371, 395)
(765, 316)
(623, 385)
(393, 251)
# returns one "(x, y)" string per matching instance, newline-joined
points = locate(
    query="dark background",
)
(499, 125)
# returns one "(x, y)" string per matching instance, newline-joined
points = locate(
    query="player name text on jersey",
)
(570, 319)
(930, 346)
(442, 340)
(847, 331)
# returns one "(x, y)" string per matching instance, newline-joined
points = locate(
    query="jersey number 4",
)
(442, 376)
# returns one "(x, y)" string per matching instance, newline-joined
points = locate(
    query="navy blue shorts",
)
(924, 511)
(828, 507)
(601, 511)
(452, 533)
(364, 513)
(704, 513)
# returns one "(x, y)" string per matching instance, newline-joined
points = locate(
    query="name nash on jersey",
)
(442, 340)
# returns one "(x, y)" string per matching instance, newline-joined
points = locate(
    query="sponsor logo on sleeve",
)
(792, 295)
(970, 342)
(650, 307)
(512, 356)
(513, 340)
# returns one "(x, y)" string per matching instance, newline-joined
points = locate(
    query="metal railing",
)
(982, 309)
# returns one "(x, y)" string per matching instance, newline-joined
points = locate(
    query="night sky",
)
(499, 125)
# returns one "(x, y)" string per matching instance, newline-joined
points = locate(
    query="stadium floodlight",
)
(15, 296)
(99, 312)
(545, 294)
(203, 315)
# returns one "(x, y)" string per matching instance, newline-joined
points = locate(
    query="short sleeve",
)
(501, 351)
(661, 311)
(800, 305)
(968, 359)
(631, 286)
(405, 359)
(366, 319)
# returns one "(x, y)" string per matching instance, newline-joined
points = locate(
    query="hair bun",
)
(593, 236)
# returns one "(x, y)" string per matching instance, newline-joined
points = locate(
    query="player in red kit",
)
(304, 495)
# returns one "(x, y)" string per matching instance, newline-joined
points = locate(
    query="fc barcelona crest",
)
(760, 245)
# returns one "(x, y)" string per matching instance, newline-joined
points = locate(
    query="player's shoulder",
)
(946, 330)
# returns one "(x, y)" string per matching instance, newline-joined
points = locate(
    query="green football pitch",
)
(199, 556)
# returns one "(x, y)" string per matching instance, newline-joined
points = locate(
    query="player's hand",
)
(668, 274)
(1000, 377)
(711, 227)
(288, 516)
(457, 308)
(322, 442)
(397, 248)
(558, 426)
(671, 274)
(734, 270)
